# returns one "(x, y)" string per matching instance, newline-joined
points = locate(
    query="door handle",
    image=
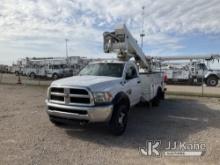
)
(138, 81)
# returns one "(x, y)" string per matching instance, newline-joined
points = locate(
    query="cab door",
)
(133, 84)
(202, 69)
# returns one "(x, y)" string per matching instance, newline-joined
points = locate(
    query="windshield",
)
(103, 69)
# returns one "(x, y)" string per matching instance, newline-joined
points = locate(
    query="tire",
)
(55, 76)
(156, 99)
(32, 75)
(118, 122)
(16, 73)
(212, 81)
(190, 82)
(162, 96)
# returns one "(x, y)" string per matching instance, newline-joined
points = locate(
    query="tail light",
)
(165, 78)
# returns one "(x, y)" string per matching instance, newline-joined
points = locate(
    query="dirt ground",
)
(27, 136)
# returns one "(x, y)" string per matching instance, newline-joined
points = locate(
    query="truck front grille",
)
(57, 90)
(71, 96)
(79, 91)
(57, 98)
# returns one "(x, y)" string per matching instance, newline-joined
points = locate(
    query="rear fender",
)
(211, 75)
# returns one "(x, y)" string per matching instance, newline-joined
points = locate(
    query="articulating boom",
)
(122, 42)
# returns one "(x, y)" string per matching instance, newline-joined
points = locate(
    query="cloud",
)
(37, 25)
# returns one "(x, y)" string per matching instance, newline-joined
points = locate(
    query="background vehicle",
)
(4, 69)
(49, 67)
(194, 72)
(48, 71)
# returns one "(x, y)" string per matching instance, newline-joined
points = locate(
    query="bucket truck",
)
(195, 72)
(105, 91)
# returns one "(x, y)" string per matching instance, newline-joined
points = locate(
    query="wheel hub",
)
(212, 82)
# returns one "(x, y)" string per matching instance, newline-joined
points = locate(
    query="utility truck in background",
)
(194, 72)
(47, 68)
(105, 91)
(53, 71)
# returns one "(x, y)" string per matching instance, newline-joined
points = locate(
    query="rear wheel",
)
(119, 119)
(55, 76)
(32, 75)
(16, 73)
(212, 81)
(157, 98)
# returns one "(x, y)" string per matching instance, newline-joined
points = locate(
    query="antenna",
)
(142, 27)
(66, 47)
(67, 60)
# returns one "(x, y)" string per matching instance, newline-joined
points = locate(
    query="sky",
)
(38, 28)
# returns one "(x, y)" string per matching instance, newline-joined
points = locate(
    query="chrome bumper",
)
(94, 114)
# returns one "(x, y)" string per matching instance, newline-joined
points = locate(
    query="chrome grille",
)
(70, 96)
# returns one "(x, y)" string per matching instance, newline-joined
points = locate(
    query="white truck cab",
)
(105, 91)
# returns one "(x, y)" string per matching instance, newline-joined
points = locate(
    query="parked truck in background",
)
(194, 72)
(53, 71)
(4, 69)
(105, 91)
(49, 67)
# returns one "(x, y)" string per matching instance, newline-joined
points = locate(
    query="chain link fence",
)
(16, 79)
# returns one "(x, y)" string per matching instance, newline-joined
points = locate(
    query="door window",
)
(131, 73)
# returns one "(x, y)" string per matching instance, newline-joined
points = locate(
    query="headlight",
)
(102, 97)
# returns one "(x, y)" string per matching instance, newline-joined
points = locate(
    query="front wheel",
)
(212, 81)
(119, 119)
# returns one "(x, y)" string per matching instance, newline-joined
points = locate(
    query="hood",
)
(95, 83)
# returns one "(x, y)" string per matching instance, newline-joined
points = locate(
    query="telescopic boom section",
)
(188, 57)
(121, 41)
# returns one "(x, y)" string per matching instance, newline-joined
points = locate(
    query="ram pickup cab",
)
(103, 91)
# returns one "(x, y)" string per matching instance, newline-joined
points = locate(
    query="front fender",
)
(121, 97)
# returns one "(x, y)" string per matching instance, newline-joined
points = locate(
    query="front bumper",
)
(90, 114)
